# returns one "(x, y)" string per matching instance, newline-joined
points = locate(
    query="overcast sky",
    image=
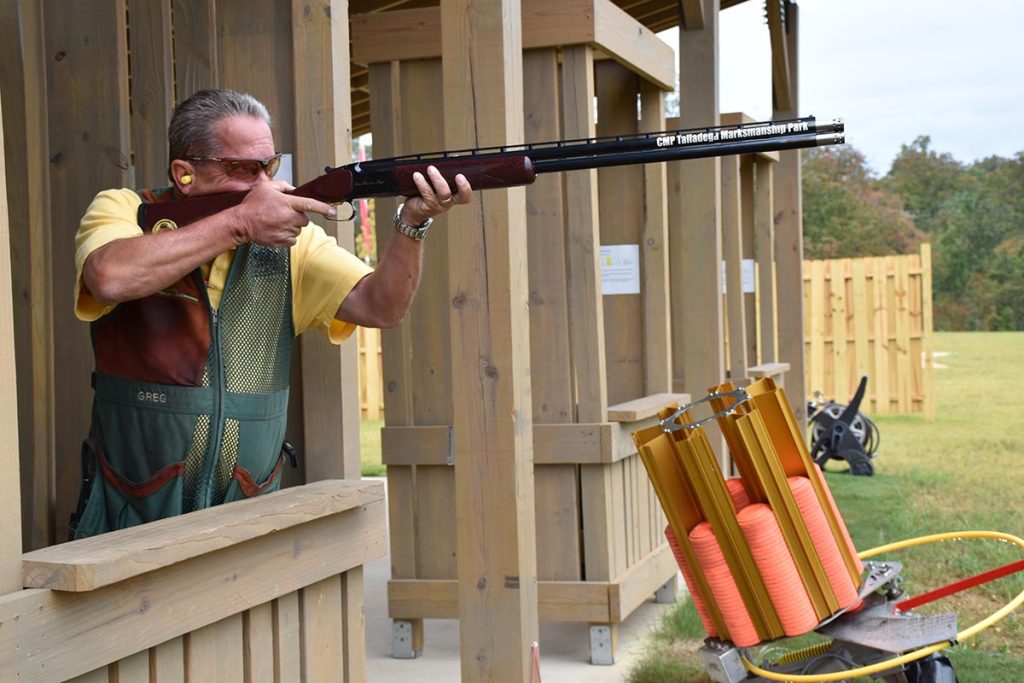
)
(893, 69)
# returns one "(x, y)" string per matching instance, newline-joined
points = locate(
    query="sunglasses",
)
(245, 168)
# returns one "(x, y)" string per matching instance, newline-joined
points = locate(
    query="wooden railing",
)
(248, 591)
(871, 316)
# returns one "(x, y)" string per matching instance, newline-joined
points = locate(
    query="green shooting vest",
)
(190, 402)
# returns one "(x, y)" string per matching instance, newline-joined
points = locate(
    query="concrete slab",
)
(564, 647)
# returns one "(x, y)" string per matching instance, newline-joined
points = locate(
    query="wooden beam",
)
(604, 602)
(696, 242)
(99, 561)
(789, 248)
(586, 311)
(732, 253)
(330, 388)
(691, 13)
(195, 46)
(152, 89)
(10, 494)
(584, 443)
(415, 34)
(489, 322)
(22, 61)
(749, 268)
(782, 83)
(330, 394)
(654, 252)
(764, 243)
(90, 150)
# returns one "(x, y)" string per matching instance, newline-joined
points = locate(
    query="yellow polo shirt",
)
(322, 272)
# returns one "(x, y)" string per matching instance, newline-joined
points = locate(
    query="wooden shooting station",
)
(511, 390)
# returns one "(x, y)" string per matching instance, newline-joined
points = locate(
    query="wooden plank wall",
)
(96, 107)
(871, 317)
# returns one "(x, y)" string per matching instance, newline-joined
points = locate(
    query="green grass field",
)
(963, 471)
(369, 448)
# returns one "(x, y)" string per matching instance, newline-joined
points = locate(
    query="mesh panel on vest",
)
(226, 464)
(194, 464)
(257, 332)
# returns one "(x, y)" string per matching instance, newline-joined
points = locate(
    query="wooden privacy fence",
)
(371, 374)
(871, 316)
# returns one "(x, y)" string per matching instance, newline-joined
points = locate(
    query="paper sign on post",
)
(620, 269)
(749, 281)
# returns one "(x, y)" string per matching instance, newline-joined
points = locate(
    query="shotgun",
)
(510, 166)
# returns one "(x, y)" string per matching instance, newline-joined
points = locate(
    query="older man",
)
(192, 327)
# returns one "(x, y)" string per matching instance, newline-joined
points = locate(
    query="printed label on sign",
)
(620, 269)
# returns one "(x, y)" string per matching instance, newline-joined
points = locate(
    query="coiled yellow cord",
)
(916, 654)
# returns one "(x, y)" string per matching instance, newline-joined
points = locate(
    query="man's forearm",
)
(136, 267)
(382, 298)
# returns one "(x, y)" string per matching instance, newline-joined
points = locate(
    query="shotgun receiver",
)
(488, 168)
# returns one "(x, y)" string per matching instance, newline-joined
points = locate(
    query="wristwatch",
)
(417, 232)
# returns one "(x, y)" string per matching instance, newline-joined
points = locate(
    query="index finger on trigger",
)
(310, 205)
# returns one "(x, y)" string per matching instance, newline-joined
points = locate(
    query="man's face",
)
(241, 137)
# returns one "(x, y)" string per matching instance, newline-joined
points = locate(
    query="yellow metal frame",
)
(767, 449)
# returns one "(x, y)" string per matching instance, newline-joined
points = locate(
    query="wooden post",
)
(764, 230)
(789, 246)
(195, 46)
(654, 253)
(926, 330)
(696, 246)
(152, 90)
(10, 496)
(330, 384)
(586, 311)
(749, 255)
(87, 91)
(488, 290)
(21, 64)
(732, 251)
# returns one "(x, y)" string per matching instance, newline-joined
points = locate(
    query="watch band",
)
(416, 232)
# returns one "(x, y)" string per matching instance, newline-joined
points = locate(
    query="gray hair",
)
(192, 132)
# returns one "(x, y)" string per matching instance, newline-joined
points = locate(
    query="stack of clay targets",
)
(765, 554)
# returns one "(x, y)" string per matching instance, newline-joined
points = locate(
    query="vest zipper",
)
(219, 383)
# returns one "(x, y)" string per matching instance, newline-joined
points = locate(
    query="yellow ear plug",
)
(186, 179)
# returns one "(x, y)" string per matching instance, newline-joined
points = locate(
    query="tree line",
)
(973, 215)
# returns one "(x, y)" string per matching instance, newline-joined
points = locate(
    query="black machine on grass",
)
(842, 432)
